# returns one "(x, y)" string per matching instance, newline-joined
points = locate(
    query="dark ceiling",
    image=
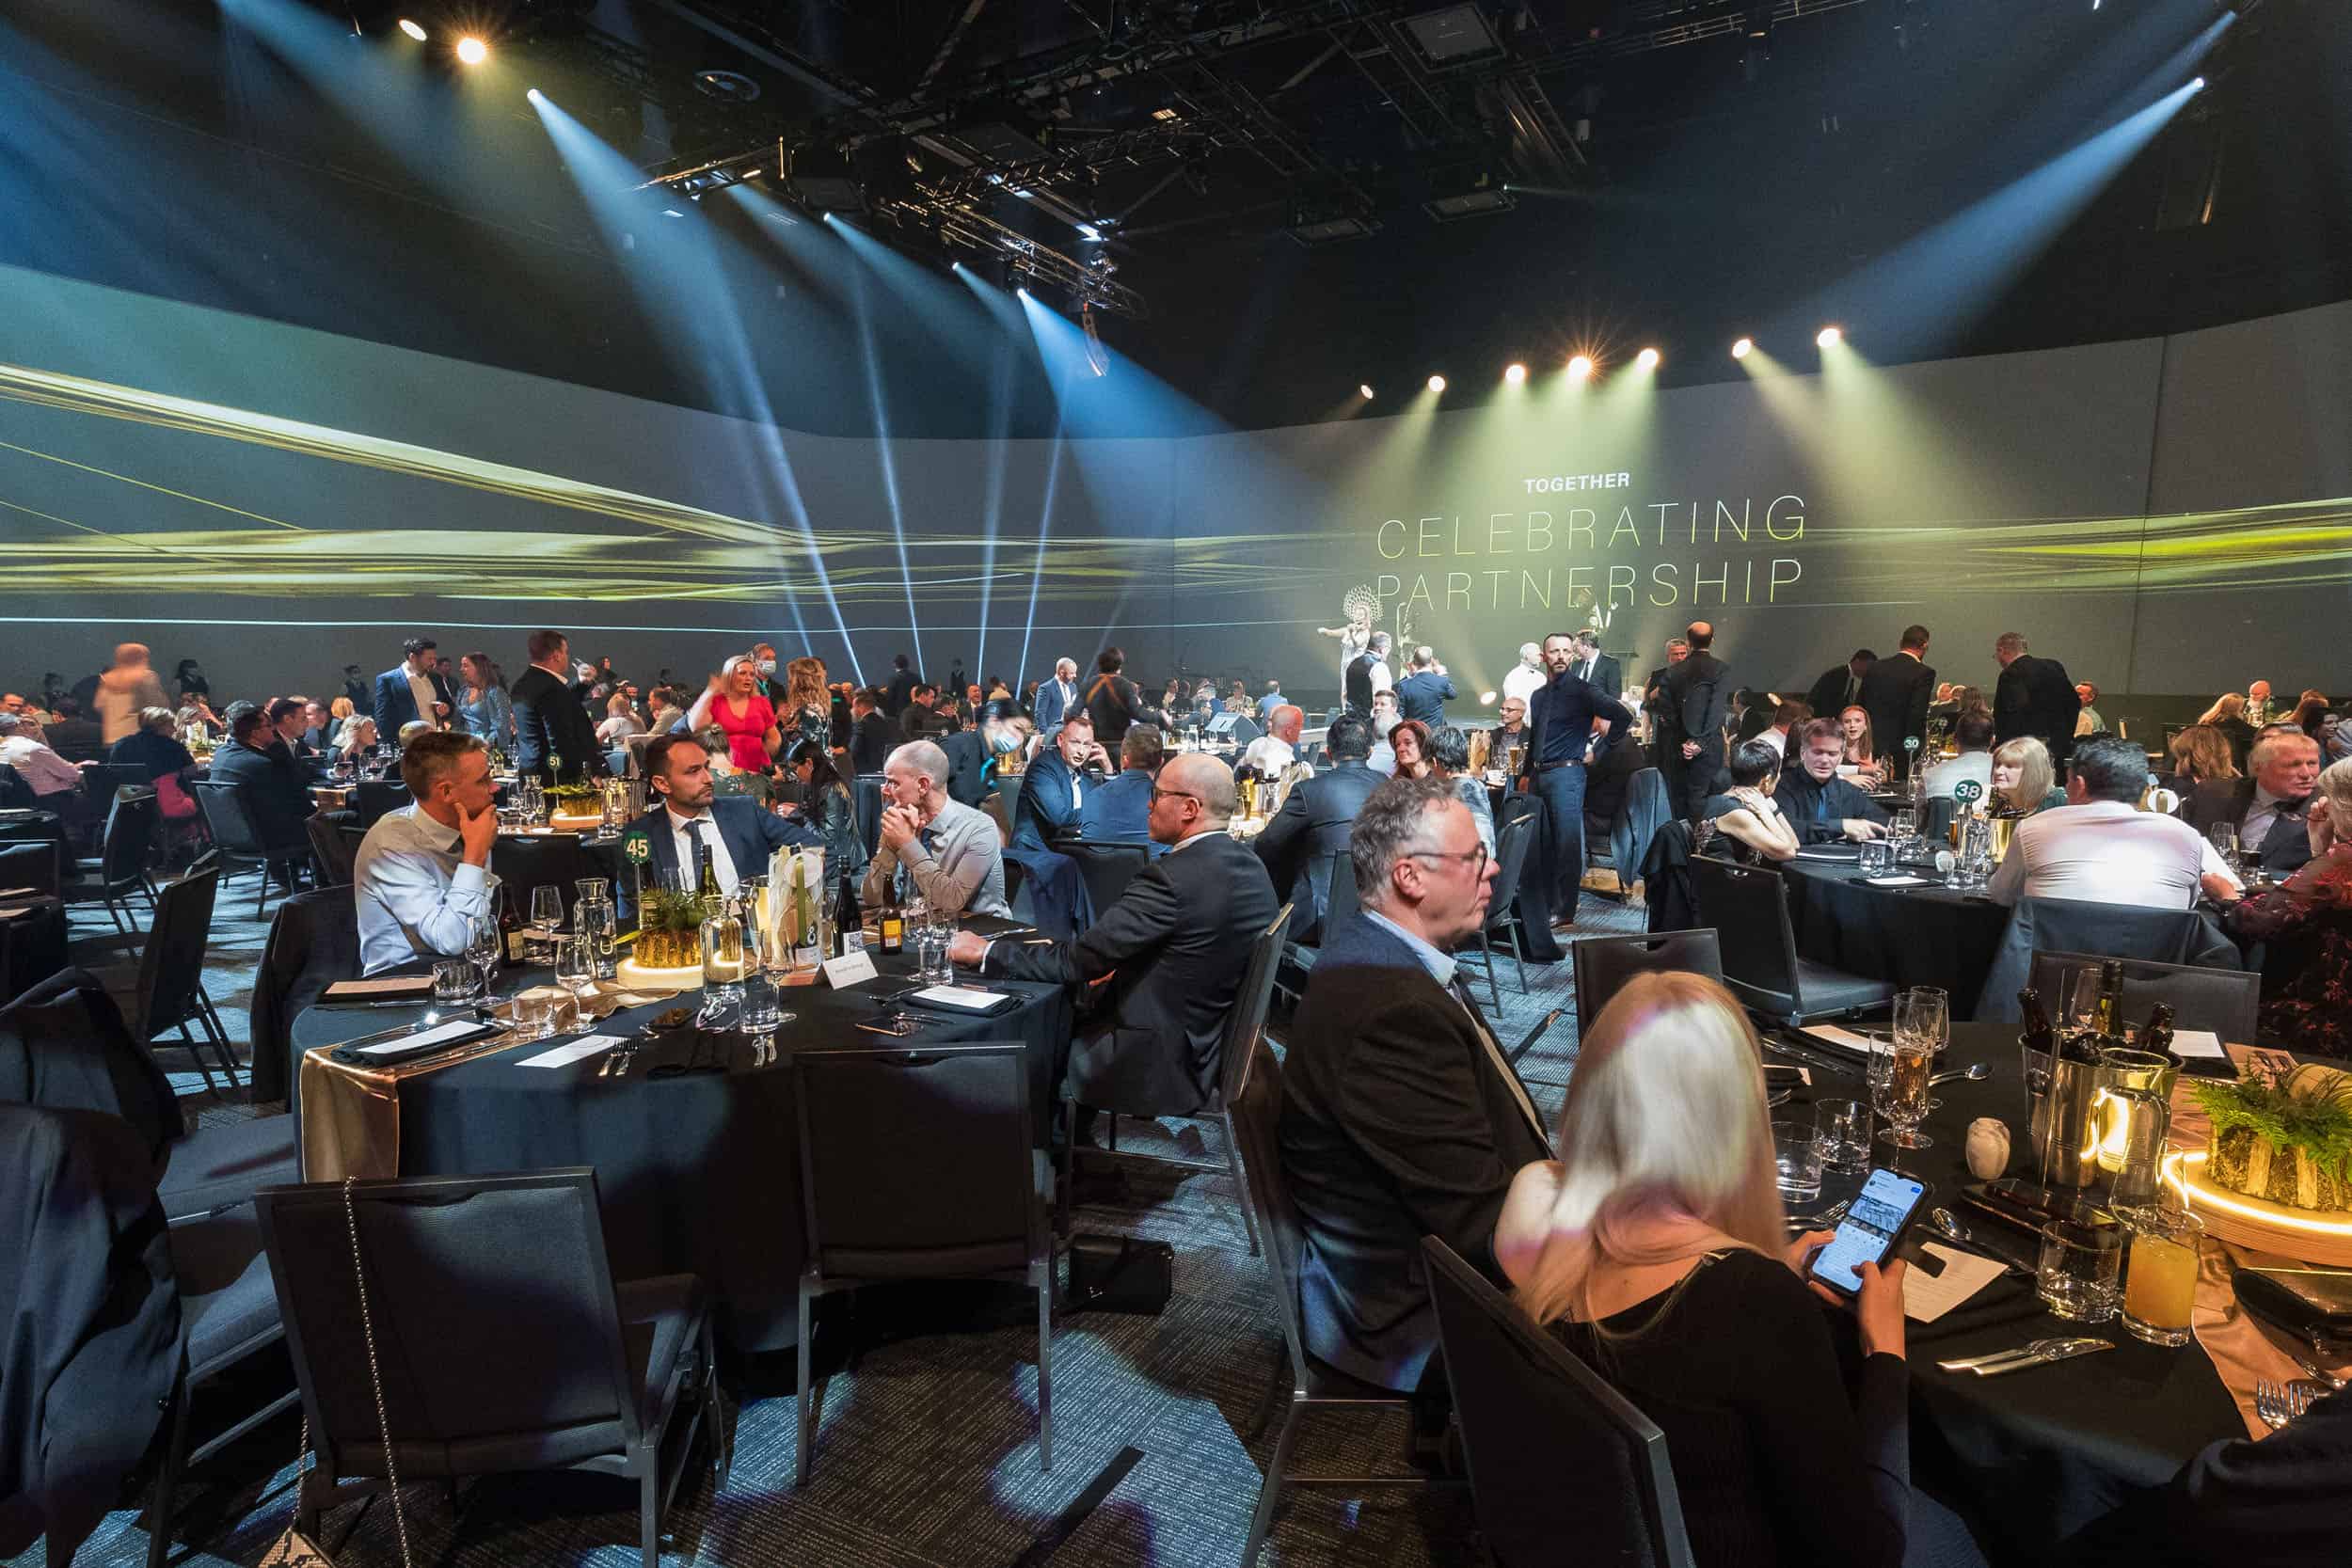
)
(1515, 178)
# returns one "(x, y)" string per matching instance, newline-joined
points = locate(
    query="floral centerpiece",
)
(669, 930)
(2286, 1140)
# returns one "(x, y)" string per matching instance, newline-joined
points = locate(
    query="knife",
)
(1970, 1363)
(2066, 1352)
(1780, 1046)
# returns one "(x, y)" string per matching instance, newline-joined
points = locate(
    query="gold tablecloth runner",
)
(351, 1115)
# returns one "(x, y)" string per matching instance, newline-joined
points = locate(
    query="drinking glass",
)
(453, 983)
(1899, 1070)
(1904, 828)
(576, 962)
(2079, 989)
(1842, 1128)
(1876, 857)
(2160, 1278)
(534, 1014)
(547, 909)
(487, 947)
(1796, 1162)
(763, 1011)
(2076, 1275)
(2224, 836)
(1924, 1013)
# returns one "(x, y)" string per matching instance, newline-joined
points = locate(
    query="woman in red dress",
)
(734, 703)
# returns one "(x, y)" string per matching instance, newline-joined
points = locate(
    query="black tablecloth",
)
(1920, 936)
(2028, 1459)
(699, 1172)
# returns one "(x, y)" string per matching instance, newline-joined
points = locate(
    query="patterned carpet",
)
(927, 1453)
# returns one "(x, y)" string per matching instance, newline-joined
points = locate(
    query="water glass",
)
(763, 1003)
(2224, 836)
(454, 982)
(534, 1014)
(2077, 1274)
(1796, 1162)
(547, 909)
(1877, 856)
(576, 962)
(1904, 828)
(2160, 1276)
(1842, 1128)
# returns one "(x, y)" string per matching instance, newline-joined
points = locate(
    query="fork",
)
(2277, 1406)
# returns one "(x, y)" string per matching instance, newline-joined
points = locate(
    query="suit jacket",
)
(1044, 808)
(548, 723)
(1896, 694)
(1315, 822)
(871, 741)
(1115, 705)
(1423, 696)
(1172, 951)
(1697, 698)
(1829, 693)
(900, 689)
(751, 833)
(1118, 811)
(1818, 811)
(1052, 708)
(2287, 849)
(396, 704)
(1608, 676)
(1398, 1122)
(2036, 697)
(274, 794)
(1358, 683)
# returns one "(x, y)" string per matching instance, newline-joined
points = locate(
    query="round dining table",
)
(696, 1145)
(1924, 935)
(2030, 1458)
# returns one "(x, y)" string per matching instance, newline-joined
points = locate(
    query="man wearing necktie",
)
(1818, 803)
(1595, 669)
(690, 828)
(2267, 806)
(1402, 1118)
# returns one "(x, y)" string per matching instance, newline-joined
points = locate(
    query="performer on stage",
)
(1361, 608)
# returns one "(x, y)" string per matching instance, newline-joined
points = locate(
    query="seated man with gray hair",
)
(934, 847)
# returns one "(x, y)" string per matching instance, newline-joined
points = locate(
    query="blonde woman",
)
(2200, 755)
(807, 712)
(1655, 1249)
(2023, 780)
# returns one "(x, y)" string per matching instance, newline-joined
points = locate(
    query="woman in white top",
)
(1355, 637)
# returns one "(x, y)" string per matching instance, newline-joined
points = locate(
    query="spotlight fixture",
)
(533, 94)
(471, 51)
(412, 29)
(1437, 384)
(1581, 367)
(1487, 698)
(1647, 360)
(1364, 390)
(1744, 347)
(1829, 337)
(2197, 85)
(1515, 373)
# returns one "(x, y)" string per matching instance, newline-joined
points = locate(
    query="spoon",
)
(1953, 1229)
(1975, 1072)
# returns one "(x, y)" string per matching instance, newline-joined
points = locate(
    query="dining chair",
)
(1748, 908)
(2222, 1001)
(118, 871)
(1105, 868)
(1604, 964)
(237, 842)
(1513, 842)
(170, 994)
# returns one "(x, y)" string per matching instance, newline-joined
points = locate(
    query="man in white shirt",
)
(1057, 698)
(1785, 717)
(1278, 748)
(423, 876)
(2099, 848)
(1526, 676)
(953, 857)
(23, 748)
(1973, 735)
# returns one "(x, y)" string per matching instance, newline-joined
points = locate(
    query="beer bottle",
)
(2038, 1035)
(513, 938)
(894, 927)
(2158, 1035)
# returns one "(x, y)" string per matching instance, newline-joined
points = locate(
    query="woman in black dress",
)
(1744, 823)
(826, 805)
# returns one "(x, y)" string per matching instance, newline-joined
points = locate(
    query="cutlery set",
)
(2042, 1353)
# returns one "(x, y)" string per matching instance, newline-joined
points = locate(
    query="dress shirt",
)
(1776, 737)
(1267, 755)
(46, 771)
(1521, 682)
(1941, 779)
(421, 688)
(2088, 722)
(2104, 852)
(714, 846)
(418, 897)
(1383, 678)
(1442, 969)
(2263, 815)
(957, 863)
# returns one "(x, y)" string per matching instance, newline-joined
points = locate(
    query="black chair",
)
(1555, 1455)
(542, 860)
(1257, 1116)
(1105, 868)
(102, 783)
(334, 849)
(31, 864)
(1331, 889)
(378, 798)
(119, 870)
(239, 844)
(1604, 964)
(2223, 1002)
(1748, 907)
(170, 993)
(2100, 930)
(1252, 1000)
(227, 1314)
(960, 1121)
(503, 1342)
(313, 941)
(1935, 818)
(1513, 842)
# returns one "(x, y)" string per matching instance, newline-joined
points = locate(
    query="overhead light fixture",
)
(1364, 388)
(471, 51)
(1744, 347)
(1453, 36)
(1330, 222)
(1437, 384)
(1829, 337)
(1515, 373)
(1468, 193)
(413, 29)
(1581, 367)
(533, 94)
(1647, 360)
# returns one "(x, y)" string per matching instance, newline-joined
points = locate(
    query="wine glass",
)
(486, 949)
(2224, 836)
(575, 963)
(547, 913)
(1901, 1096)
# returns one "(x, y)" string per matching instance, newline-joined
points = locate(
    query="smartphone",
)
(1880, 1213)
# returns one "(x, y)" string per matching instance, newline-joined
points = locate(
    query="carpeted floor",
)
(927, 1454)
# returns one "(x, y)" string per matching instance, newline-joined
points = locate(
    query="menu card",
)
(390, 987)
(1926, 1298)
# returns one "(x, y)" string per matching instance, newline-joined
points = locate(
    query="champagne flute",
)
(1904, 1101)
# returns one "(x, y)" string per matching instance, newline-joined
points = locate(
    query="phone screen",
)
(1868, 1230)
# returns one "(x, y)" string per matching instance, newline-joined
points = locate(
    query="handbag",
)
(294, 1549)
(1121, 1273)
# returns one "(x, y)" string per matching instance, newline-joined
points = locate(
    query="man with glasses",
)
(1401, 1116)
(1168, 958)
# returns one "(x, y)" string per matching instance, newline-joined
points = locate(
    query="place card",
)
(565, 1056)
(1926, 1298)
(397, 985)
(1845, 1039)
(1898, 878)
(464, 1028)
(962, 998)
(852, 968)
(2197, 1042)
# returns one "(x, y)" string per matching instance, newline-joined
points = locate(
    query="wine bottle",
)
(848, 935)
(2038, 1035)
(2158, 1035)
(2112, 1000)
(709, 888)
(513, 938)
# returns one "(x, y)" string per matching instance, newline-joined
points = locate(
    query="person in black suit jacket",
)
(1425, 690)
(1401, 1117)
(1365, 675)
(967, 753)
(1595, 668)
(1053, 791)
(1840, 686)
(1314, 823)
(1112, 701)
(1819, 805)
(287, 717)
(396, 693)
(2267, 806)
(903, 680)
(871, 732)
(1896, 694)
(1697, 696)
(738, 833)
(2035, 697)
(1168, 958)
(276, 800)
(549, 722)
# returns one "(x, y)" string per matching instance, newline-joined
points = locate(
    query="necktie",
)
(1853, 690)
(702, 853)
(1500, 1064)
(1820, 805)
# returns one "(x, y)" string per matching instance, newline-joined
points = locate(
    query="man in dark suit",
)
(412, 689)
(1367, 676)
(1840, 686)
(1313, 825)
(1057, 699)
(1595, 668)
(1656, 704)
(921, 718)
(871, 732)
(276, 800)
(1425, 690)
(2267, 806)
(1111, 700)
(689, 828)
(1697, 697)
(549, 723)
(1162, 966)
(1119, 810)
(1896, 694)
(288, 718)
(1401, 1117)
(2035, 697)
(1819, 805)
(903, 681)
(1559, 717)
(1054, 788)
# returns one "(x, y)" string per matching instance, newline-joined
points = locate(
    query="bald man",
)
(1695, 700)
(1169, 956)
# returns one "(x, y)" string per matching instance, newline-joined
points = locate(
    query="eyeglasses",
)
(1180, 794)
(1474, 859)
